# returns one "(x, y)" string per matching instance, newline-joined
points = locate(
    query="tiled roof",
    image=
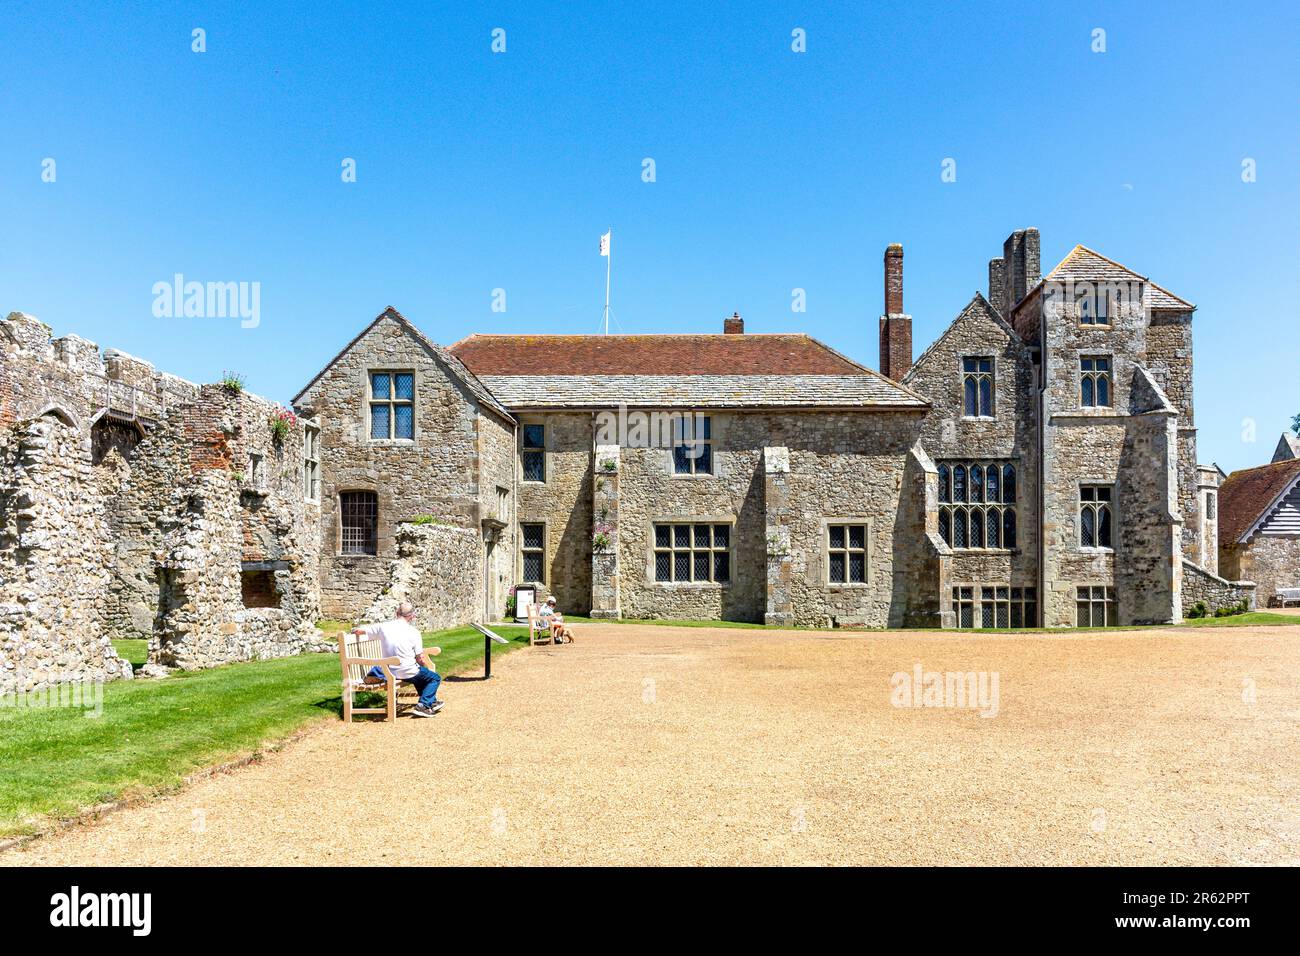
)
(701, 391)
(652, 355)
(1247, 496)
(1086, 265)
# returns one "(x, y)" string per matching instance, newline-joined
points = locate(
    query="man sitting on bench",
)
(399, 638)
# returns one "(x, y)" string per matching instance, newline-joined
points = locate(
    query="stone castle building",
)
(1035, 466)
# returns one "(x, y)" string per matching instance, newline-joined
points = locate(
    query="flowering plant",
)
(281, 421)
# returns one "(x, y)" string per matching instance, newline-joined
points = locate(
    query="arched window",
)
(945, 483)
(976, 483)
(959, 483)
(1009, 483)
(1009, 528)
(977, 504)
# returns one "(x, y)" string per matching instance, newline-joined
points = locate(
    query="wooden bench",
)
(357, 655)
(538, 631)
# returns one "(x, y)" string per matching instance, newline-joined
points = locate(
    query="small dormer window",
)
(1095, 304)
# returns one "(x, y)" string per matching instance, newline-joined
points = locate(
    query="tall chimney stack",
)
(1021, 265)
(734, 325)
(895, 325)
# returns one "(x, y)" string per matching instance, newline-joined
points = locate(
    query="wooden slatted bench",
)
(357, 655)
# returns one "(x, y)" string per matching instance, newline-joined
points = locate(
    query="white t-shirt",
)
(399, 639)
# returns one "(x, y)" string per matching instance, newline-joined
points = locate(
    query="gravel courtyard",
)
(651, 744)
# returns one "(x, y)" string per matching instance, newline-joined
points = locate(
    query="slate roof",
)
(1087, 265)
(702, 391)
(1248, 495)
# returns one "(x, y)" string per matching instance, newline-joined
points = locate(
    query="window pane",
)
(986, 396)
(945, 484)
(704, 460)
(1087, 392)
(663, 568)
(380, 383)
(532, 535)
(945, 526)
(681, 460)
(1004, 612)
(1017, 616)
(1110, 614)
(991, 487)
(704, 425)
(721, 535)
(959, 528)
(1008, 529)
(967, 616)
(1103, 527)
(857, 567)
(403, 421)
(959, 483)
(970, 407)
(682, 566)
(837, 535)
(986, 365)
(1087, 527)
(534, 436)
(534, 466)
(701, 536)
(857, 536)
(993, 529)
(1103, 391)
(986, 615)
(1082, 614)
(661, 536)
(681, 536)
(532, 567)
(1103, 365)
(1031, 615)
(976, 483)
(1087, 493)
(721, 566)
(969, 365)
(1009, 483)
(837, 568)
(976, 528)
(702, 566)
(405, 386)
(379, 421)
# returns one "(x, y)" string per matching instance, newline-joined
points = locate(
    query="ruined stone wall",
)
(435, 474)
(563, 503)
(55, 560)
(437, 568)
(1200, 586)
(1010, 435)
(1270, 561)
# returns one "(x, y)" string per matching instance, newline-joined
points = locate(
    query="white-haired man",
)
(401, 639)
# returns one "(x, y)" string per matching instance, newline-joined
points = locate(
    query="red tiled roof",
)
(1246, 495)
(651, 355)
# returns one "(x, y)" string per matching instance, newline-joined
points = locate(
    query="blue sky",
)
(775, 170)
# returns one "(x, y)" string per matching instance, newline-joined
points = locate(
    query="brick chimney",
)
(895, 325)
(734, 325)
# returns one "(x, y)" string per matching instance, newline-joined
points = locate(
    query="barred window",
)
(392, 405)
(534, 453)
(1095, 606)
(846, 553)
(1095, 382)
(977, 387)
(692, 552)
(994, 606)
(977, 504)
(1095, 516)
(693, 448)
(533, 549)
(311, 463)
(359, 512)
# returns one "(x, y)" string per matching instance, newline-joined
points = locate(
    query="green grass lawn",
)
(57, 761)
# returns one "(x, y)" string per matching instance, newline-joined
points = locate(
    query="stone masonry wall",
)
(1200, 586)
(437, 568)
(1270, 561)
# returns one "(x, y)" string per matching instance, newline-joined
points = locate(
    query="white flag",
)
(604, 244)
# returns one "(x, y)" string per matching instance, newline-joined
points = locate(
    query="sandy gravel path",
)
(691, 745)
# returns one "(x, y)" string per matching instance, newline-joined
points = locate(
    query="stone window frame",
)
(992, 376)
(338, 533)
(311, 461)
(546, 536)
(392, 402)
(1098, 506)
(976, 597)
(690, 521)
(1090, 293)
(824, 549)
(1094, 374)
(256, 477)
(524, 424)
(1105, 600)
(950, 506)
(709, 440)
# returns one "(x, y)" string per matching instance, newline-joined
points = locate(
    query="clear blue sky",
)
(775, 170)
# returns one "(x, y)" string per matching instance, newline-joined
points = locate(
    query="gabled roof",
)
(977, 306)
(1084, 264)
(1288, 447)
(667, 354)
(455, 367)
(1248, 496)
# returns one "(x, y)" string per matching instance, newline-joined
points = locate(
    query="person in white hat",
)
(554, 621)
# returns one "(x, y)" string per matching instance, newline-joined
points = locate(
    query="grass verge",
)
(150, 734)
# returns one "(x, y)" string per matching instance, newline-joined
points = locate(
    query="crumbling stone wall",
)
(437, 568)
(1270, 561)
(1200, 586)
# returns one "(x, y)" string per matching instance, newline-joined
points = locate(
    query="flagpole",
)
(609, 265)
